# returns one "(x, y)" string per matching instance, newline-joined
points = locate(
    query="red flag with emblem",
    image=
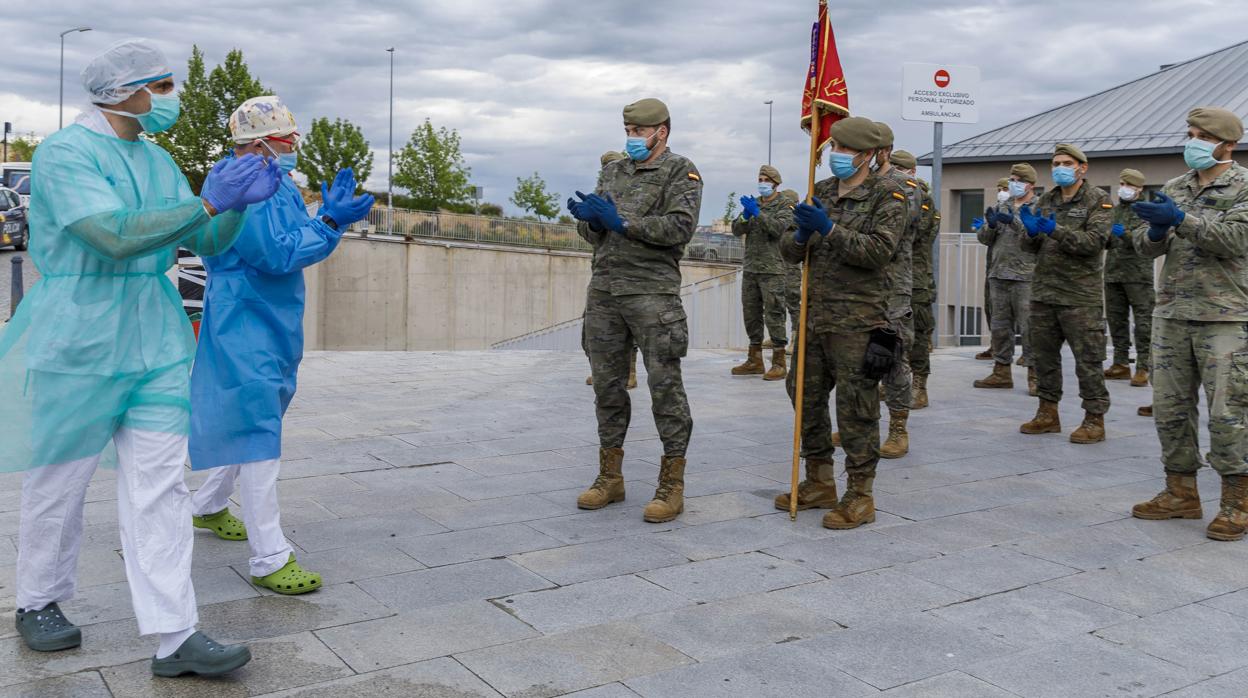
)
(825, 92)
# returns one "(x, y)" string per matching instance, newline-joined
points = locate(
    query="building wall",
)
(375, 294)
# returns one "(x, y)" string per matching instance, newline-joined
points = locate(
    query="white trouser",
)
(257, 482)
(154, 515)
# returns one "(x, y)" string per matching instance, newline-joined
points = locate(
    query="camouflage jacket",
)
(901, 268)
(1205, 275)
(923, 284)
(794, 199)
(1122, 263)
(849, 281)
(762, 234)
(1009, 258)
(660, 202)
(1069, 261)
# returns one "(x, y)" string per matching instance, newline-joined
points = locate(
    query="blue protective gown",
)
(251, 335)
(101, 341)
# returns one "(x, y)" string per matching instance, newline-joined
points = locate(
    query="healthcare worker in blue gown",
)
(251, 343)
(100, 351)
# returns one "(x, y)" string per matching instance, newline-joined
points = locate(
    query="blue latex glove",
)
(579, 210)
(990, 217)
(1047, 225)
(229, 180)
(263, 187)
(605, 212)
(1118, 230)
(811, 219)
(1004, 217)
(1029, 220)
(749, 207)
(1157, 233)
(1160, 211)
(340, 203)
(976, 224)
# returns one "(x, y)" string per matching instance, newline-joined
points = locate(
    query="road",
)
(29, 275)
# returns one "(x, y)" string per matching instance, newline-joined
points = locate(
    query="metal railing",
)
(960, 319)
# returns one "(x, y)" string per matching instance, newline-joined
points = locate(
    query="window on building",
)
(970, 207)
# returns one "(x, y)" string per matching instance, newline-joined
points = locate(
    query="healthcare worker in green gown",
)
(99, 352)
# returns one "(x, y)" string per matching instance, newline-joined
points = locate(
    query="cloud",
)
(539, 84)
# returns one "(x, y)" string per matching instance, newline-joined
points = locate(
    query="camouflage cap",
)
(610, 156)
(886, 134)
(1133, 177)
(1003, 183)
(1217, 122)
(646, 112)
(1071, 150)
(770, 173)
(903, 159)
(1023, 171)
(856, 133)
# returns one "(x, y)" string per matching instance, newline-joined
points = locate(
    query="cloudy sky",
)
(537, 85)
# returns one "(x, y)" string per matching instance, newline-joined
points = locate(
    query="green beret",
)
(610, 156)
(1023, 171)
(903, 159)
(770, 173)
(856, 133)
(1133, 177)
(886, 135)
(646, 112)
(1217, 122)
(1073, 151)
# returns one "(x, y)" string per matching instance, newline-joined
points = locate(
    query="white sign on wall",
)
(935, 92)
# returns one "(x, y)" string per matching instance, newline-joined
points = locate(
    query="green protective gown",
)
(101, 340)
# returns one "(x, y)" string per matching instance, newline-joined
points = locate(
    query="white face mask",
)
(1127, 193)
(1003, 196)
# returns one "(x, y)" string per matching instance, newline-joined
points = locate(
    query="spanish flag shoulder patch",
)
(926, 207)
(911, 182)
(695, 176)
(1107, 205)
(899, 196)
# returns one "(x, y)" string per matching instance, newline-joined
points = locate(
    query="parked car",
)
(714, 247)
(14, 229)
(16, 176)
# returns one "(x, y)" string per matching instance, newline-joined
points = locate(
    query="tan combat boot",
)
(779, 366)
(1032, 388)
(589, 381)
(669, 498)
(753, 365)
(1045, 422)
(1140, 379)
(1002, 377)
(1091, 431)
(856, 507)
(836, 439)
(768, 344)
(918, 399)
(985, 355)
(1180, 500)
(1117, 372)
(1145, 411)
(1232, 518)
(1019, 362)
(817, 491)
(898, 442)
(609, 486)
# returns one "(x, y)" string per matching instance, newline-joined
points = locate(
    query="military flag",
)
(826, 94)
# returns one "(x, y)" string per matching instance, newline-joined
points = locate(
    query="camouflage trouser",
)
(921, 350)
(763, 302)
(1011, 308)
(1121, 301)
(656, 323)
(899, 383)
(793, 294)
(1186, 356)
(988, 294)
(834, 362)
(1084, 329)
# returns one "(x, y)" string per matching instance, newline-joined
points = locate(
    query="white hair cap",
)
(123, 69)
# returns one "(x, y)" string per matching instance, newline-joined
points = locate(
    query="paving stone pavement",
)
(436, 494)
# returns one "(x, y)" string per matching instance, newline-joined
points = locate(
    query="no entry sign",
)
(934, 92)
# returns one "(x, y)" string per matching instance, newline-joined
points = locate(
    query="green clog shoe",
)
(226, 525)
(291, 579)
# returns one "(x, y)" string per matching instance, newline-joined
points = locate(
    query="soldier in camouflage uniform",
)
(850, 234)
(1200, 328)
(923, 285)
(639, 220)
(612, 156)
(792, 276)
(1003, 196)
(762, 221)
(1010, 267)
(1128, 286)
(1068, 228)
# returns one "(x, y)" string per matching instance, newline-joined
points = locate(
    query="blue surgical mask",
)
(288, 162)
(1198, 154)
(636, 148)
(162, 115)
(1064, 176)
(1018, 189)
(843, 165)
(765, 189)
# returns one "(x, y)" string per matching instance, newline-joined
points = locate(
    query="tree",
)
(531, 195)
(730, 211)
(329, 147)
(22, 148)
(431, 167)
(201, 135)
(489, 209)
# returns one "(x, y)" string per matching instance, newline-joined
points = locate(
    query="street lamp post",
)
(390, 150)
(60, 114)
(769, 107)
